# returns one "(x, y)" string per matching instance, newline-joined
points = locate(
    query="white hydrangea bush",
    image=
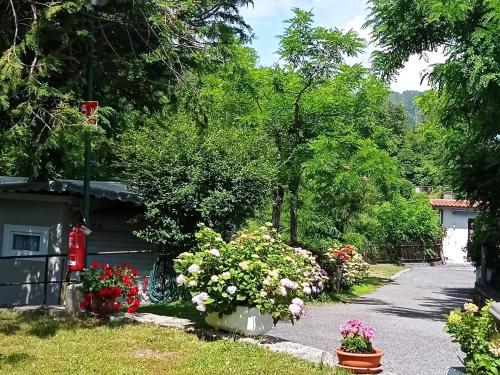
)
(256, 269)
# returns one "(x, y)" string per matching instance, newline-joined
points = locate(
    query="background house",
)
(36, 218)
(457, 218)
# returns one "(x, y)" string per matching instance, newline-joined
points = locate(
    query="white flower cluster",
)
(255, 269)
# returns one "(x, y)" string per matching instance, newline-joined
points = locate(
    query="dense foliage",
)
(201, 133)
(385, 226)
(256, 269)
(139, 52)
(468, 82)
(475, 331)
(185, 177)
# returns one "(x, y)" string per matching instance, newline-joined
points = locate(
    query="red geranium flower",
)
(84, 305)
(134, 306)
(89, 296)
(134, 291)
(127, 280)
(102, 276)
(116, 307)
(342, 255)
(132, 309)
(134, 272)
(94, 265)
(145, 282)
(104, 266)
(109, 272)
(105, 292)
(117, 291)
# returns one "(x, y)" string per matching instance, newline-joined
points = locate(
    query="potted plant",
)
(105, 287)
(356, 352)
(248, 284)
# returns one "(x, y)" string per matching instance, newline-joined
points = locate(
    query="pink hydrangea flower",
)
(287, 283)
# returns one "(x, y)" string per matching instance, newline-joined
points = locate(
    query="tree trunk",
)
(294, 192)
(279, 194)
(294, 171)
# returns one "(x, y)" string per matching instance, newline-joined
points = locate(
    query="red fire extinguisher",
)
(76, 251)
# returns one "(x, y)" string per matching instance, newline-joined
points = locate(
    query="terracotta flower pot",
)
(361, 363)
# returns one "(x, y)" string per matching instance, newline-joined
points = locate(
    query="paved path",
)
(408, 316)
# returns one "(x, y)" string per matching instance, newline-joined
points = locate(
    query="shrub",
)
(474, 330)
(344, 265)
(256, 269)
(386, 225)
(184, 176)
(106, 284)
(357, 337)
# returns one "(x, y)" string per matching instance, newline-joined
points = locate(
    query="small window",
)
(20, 240)
(25, 242)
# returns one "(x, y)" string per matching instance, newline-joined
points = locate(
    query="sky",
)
(266, 19)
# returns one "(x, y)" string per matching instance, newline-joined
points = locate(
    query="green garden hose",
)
(162, 287)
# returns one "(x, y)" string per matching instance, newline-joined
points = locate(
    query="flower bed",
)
(256, 269)
(345, 266)
(105, 287)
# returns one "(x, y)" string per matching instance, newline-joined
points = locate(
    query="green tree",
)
(142, 51)
(423, 155)
(382, 228)
(309, 56)
(183, 177)
(468, 81)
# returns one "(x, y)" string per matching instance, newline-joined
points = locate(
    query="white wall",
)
(455, 221)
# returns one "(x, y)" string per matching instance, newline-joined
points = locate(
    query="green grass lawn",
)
(39, 344)
(178, 309)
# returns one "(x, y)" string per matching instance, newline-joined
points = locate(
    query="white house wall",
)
(455, 222)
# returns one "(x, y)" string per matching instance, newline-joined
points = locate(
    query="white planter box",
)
(248, 321)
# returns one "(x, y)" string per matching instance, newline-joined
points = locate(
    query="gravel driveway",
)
(408, 317)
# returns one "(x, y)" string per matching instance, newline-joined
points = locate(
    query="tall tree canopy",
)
(309, 56)
(142, 49)
(468, 81)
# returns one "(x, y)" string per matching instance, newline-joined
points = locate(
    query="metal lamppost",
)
(89, 111)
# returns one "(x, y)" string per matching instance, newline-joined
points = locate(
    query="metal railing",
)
(46, 282)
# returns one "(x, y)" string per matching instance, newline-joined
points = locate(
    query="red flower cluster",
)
(106, 283)
(343, 252)
(342, 255)
(111, 292)
(349, 249)
(132, 299)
